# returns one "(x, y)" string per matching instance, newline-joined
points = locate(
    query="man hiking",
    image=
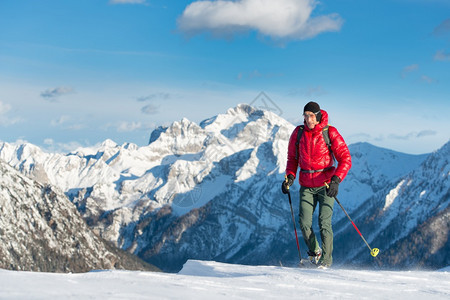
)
(312, 147)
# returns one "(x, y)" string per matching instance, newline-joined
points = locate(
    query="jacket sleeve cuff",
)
(336, 179)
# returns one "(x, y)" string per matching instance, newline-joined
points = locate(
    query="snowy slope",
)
(418, 201)
(212, 280)
(210, 191)
(373, 169)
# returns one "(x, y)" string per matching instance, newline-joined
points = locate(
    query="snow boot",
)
(315, 256)
(323, 266)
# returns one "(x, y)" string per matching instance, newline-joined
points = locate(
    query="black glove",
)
(287, 183)
(333, 189)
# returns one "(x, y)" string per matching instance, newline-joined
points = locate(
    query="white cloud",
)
(441, 55)
(51, 146)
(61, 120)
(413, 135)
(5, 120)
(409, 69)
(4, 108)
(155, 96)
(279, 19)
(49, 141)
(64, 122)
(412, 68)
(78, 126)
(442, 29)
(53, 93)
(128, 126)
(150, 109)
(428, 79)
(426, 133)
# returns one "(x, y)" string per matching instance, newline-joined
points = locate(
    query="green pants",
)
(309, 197)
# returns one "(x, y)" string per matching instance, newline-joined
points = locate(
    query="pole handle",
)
(286, 180)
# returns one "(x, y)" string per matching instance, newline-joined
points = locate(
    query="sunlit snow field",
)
(212, 280)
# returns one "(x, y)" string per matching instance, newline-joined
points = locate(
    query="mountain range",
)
(211, 191)
(41, 230)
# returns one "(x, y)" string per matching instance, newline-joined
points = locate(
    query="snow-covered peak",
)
(181, 137)
(444, 151)
(21, 152)
(373, 168)
(109, 144)
(372, 163)
(42, 231)
(244, 109)
(240, 116)
(218, 179)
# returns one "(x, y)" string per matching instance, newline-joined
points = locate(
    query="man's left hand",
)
(333, 189)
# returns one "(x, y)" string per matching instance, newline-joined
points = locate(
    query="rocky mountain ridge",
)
(212, 191)
(40, 230)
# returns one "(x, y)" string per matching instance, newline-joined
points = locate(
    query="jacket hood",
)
(322, 124)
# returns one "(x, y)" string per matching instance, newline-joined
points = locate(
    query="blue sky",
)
(74, 73)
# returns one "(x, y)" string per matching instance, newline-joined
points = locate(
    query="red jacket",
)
(314, 155)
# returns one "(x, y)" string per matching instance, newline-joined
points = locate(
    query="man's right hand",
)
(287, 183)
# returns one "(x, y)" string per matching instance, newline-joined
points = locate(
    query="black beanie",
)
(314, 108)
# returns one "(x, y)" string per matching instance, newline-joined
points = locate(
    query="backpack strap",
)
(299, 135)
(326, 137)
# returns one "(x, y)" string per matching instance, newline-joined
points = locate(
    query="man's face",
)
(310, 119)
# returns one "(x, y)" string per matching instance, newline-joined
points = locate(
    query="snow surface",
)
(212, 280)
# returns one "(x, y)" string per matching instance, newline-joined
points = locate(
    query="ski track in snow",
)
(212, 280)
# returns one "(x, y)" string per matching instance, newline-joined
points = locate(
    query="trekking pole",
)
(295, 228)
(373, 251)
